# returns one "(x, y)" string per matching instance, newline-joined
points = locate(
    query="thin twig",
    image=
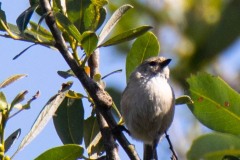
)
(174, 155)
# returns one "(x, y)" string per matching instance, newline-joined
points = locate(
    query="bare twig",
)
(101, 98)
(174, 155)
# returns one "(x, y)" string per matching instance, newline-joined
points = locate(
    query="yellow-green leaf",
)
(11, 79)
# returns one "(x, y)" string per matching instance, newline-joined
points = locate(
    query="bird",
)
(147, 103)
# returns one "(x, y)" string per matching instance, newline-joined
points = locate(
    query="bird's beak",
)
(165, 63)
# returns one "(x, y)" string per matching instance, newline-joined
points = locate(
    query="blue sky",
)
(41, 64)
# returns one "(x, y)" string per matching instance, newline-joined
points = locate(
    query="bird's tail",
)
(150, 152)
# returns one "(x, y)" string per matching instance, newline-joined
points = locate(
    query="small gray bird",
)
(147, 103)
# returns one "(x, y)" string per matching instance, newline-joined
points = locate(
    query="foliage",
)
(213, 102)
(216, 106)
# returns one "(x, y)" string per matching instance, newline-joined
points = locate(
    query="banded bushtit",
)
(147, 103)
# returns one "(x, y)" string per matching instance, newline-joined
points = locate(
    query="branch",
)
(101, 98)
(107, 136)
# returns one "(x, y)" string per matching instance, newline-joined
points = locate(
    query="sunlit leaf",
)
(19, 98)
(39, 33)
(216, 104)
(3, 102)
(24, 18)
(91, 17)
(117, 15)
(99, 3)
(126, 36)
(89, 42)
(44, 116)
(68, 121)
(67, 25)
(66, 152)
(74, 95)
(11, 80)
(92, 137)
(144, 47)
(97, 77)
(184, 99)
(214, 146)
(11, 139)
(94, 14)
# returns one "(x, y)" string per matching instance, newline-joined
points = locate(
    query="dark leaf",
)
(68, 121)
(75, 10)
(2, 19)
(11, 139)
(19, 54)
(24, 18)
(214, 146)
(66, 74)
(92, 137)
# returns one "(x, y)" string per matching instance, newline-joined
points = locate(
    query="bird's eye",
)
(153, 63)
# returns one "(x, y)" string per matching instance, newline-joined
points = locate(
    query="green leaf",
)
(11, 139)
(75, 11)
(67, 25)
(99, 3)
(216, 104)
(45, 115)
(126, 36)
(92, 137)
(117, 15)
(38, 10)
(94, 14)
(184, 99)
(66, 152)
(91, 17)
(68, 121)
(3, 102)
(39, 32)
(66, 74)
(11, 80)
(144, 47)
(24, 18)
(214, 146)
(2, 18)
(89, 42)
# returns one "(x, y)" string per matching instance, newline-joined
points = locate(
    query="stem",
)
(101, 99)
